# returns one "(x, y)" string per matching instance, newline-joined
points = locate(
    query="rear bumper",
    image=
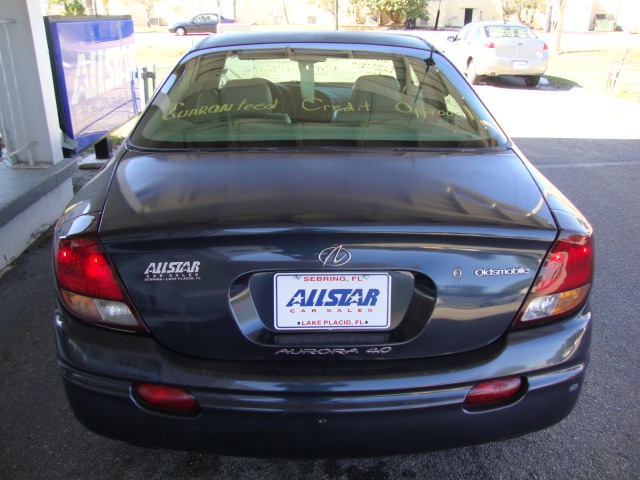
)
(320, 409)
(493, 65)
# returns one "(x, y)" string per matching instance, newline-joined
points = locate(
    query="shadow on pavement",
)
(513, 82)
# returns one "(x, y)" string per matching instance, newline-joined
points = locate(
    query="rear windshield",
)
(508, 31)
(309, 97)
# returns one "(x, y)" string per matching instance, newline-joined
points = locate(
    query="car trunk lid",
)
(518, 47)
(204, 244)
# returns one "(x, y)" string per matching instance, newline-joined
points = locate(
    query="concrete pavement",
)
(545, 113)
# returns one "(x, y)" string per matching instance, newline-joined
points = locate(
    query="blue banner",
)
(95, 71)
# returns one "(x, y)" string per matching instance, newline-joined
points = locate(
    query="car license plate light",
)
(332, 301)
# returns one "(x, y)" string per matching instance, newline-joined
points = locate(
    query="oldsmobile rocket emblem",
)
(334, 256)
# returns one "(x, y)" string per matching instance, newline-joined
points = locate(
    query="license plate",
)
(335, 301)
(520, 65)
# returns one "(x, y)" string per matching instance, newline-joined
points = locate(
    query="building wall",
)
(578, 16)
(452, 12)
(626, 12)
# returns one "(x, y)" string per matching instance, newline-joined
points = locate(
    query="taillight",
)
(545, 47)
(563, 283)
(490, 45)
(89, 286)
(172, 400)
(83, 267)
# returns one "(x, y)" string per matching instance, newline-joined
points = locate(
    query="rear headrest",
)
(382, 92)
(246, 91)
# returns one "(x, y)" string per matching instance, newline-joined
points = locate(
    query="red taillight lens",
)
(569, 265)
(167, 399)
(82, 267)
(545, 47)
(89, 287)
(563, 283)
(490, 45)
(494, 393)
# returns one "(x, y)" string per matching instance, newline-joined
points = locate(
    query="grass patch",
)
(591, 68)
(166, 55)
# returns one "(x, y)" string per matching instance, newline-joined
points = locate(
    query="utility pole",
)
(336, 6)
(563, 7)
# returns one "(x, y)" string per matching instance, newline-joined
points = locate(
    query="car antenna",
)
(430, 60)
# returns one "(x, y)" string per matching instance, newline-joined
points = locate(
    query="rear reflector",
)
(494, 393)
(172, 400)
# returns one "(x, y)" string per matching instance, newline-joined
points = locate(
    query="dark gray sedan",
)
(320, 244)
(201, 23)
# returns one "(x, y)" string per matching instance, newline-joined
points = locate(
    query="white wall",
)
(31, 97)
(24, 228)
(578, 16)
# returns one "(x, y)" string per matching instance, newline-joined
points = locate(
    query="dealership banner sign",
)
(94, 66)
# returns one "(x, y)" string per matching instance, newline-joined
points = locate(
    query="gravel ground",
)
(82, 176)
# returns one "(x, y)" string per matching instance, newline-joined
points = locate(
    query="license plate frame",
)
(520, 64)
(332, 301)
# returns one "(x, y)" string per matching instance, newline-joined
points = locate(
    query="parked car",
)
(320, 244)
(201, 23)
(498, 48)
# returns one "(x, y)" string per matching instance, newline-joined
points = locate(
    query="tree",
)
(71, 7)
(148, 6)
(397, 10)
(74, 7)
(330, 6)
(523, 9)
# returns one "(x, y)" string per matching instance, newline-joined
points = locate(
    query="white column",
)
(25, 55)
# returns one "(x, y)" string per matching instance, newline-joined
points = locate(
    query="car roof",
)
(496, 23)
(296, 38)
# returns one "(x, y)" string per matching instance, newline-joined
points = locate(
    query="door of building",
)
(468, 15)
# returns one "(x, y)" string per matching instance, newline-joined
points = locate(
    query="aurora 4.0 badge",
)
(336, 301)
